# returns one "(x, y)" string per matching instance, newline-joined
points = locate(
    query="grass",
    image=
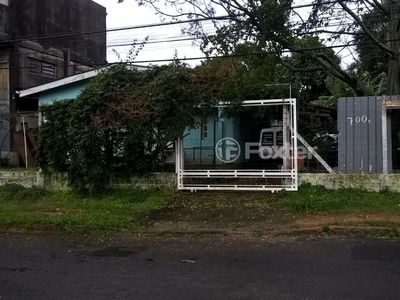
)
(27, 208)
(68, 211)
(317, 199)
(257, 233)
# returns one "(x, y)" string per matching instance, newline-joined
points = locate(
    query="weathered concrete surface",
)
(59, 181)
(31, 18)
(145, 181)
(369, 182)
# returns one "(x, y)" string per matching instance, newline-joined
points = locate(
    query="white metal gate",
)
(232, 178)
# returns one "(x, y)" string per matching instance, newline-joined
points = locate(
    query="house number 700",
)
(358, 119)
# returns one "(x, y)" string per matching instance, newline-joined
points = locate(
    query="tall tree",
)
(371, 58)
(275, 26)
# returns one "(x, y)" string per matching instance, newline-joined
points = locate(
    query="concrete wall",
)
(59, 181)
(369, 182)
(30, 18)
(4, 20)
(54, 17)
(146, 181)
(26, 179)
(29, 50)
(33, 51)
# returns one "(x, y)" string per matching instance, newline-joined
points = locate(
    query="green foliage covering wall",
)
(124, 117)
(127, 117)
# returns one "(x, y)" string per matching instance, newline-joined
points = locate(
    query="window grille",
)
(41, 68)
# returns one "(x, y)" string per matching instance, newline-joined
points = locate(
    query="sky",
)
(130, 14)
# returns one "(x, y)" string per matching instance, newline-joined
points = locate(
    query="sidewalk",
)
(257, 214)
(211, 213)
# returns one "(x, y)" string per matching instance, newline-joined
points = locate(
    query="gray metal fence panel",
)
(360, 135)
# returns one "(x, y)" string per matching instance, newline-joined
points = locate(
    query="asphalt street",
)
(77, 267)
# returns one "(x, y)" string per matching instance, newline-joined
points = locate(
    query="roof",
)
(64, 81)
(57, 83)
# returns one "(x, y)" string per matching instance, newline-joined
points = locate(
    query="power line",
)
(137, 43)
(177, 22)
(147, 42)
(183, 39)
(180, 22)
(222, 56)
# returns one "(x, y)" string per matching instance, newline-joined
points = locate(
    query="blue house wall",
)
(70, 91)
(201, 151)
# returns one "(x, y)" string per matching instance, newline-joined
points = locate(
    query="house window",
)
(204, 131)
(41, 68)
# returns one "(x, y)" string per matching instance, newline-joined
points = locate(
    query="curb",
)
(301, 231)
(347, 231)
(333, 230)
(181, 232)
(363, 231)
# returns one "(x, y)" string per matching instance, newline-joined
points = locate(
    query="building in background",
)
(42, 41)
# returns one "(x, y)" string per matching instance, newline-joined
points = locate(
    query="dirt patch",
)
(221, 211)
(362, 219)
(254, 212)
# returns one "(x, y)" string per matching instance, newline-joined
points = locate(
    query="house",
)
(199, 143)
(44, 94)
(65, 88)
(43, 41)
(248, 142)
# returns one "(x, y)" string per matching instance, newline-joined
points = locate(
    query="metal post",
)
(25, 146)
(179, 163)
(40, 118)
(286, 137)
(294, 140)
(385, 169)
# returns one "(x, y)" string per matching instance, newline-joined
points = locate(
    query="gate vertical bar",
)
(294, 141)
(179, 162)
(286, 136)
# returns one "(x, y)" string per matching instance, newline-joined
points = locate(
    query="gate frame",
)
(291, 175)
